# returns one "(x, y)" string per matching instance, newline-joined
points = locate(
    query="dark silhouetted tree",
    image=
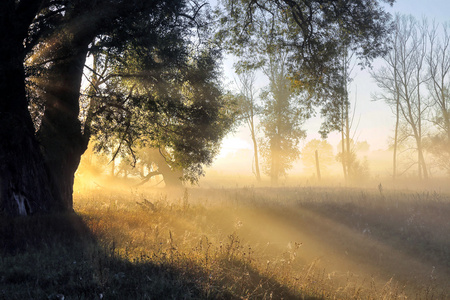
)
(54, 38)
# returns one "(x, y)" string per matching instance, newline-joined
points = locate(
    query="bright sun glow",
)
(231, 145)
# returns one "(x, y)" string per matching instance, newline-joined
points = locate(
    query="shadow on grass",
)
(58, 257)
(414, 224)
(400, 235)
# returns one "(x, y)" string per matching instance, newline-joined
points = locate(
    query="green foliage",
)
(281, 120)
(177, 107)
(155, 79)
(311, 33)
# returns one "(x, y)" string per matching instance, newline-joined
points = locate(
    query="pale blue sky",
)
(376, 119)
(432, 9)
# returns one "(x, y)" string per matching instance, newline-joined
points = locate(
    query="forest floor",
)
(232, 243)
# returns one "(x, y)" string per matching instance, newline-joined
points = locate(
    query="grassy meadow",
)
(232, 243)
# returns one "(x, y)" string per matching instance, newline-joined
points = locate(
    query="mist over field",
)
(302, 239)
(230, 149)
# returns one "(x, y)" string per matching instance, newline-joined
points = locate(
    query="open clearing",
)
(249, 243)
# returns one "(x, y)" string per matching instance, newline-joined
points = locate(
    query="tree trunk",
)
(275, 158)
(24, 183)
(172, 178)
(60, 133)
(255, 150)
(394, 159)
(447, 122)
(397, 121)
(348, 150)
(422, 164)
(316, 153)
(343, 155)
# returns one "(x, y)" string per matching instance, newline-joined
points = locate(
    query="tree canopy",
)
(159, 86)
(312, 32)
(179, 110)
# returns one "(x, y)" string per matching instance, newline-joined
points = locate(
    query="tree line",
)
(154, 80)
(414, 82)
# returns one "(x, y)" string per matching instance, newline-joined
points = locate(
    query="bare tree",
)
(347, 156)
(438, 63)
(249, 110)
(402, 81)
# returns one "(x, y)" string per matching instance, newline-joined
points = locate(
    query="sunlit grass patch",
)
(243, 243)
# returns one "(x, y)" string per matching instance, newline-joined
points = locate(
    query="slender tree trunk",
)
(447, 122)
(343, 155)
(397, 118)
(417, 134)
(274, 164)
(420, 157)
(419, 163)
(424, 170)
(276, 153)
(419, 131)
(348, 160)
(317, 165)
(113, 167)
(255, 151)
(394, 159)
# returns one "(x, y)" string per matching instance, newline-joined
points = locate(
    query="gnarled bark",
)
(60, 132)
(24, 183)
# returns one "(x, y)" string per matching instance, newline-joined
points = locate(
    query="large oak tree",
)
(52, 38)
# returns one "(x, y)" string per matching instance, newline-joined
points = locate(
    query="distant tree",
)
(340, 116)
(284, 110)
(388, 80)
(347, 156)
(358, 169)
(324, 152)
(281, 120)
(403, 81)
(362, 147)
(92, 164)
(438, 65)
(249, 110)
(157, 162)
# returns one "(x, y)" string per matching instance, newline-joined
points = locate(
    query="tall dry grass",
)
(234, 243)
